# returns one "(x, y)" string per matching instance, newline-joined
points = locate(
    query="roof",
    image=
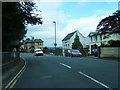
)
(114, 30)
(92, 33)
(33, 41)
(38, 40)
(69, 36)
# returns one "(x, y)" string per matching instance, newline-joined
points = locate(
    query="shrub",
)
(114, 43)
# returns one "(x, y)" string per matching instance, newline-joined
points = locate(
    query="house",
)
(98, 38)
(69, 39)
(30, 45)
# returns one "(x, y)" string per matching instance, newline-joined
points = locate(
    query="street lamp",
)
(55, 44)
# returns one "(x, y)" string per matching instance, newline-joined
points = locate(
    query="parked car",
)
(94, 52)
(74, 53)
(38, 52)
(67, 53)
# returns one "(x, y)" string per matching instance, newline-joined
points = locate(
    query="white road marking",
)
(96, 81)
(65, 65)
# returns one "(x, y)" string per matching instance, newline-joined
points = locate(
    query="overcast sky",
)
(69, 16)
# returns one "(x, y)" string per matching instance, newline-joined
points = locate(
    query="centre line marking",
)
(96, 81)
(65, 65)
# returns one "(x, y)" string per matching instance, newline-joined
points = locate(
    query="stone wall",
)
(110, 52)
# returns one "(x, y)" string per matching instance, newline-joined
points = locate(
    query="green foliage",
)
(111, 43)
(15, 17)
(110, 23)
(105, 45)
(45, 50)
(77, 44)
(114, 43)
(58, 51)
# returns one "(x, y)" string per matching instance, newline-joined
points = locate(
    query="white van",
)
(38, 52)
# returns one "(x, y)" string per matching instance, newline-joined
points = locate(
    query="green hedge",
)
(111, 43)
(114, 43)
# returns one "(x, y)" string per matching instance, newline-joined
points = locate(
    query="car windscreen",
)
(75, 51)
(38, 50)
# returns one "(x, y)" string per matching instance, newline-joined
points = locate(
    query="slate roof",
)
(33, 41)
(92, 34)
(38, 40)
(69, 36)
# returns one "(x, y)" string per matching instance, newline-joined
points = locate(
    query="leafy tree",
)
(77, 44)
(46, 50)
(110, 24)
(58, 51)
(15, 17)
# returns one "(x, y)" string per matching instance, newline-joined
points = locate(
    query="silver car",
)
(75, 53)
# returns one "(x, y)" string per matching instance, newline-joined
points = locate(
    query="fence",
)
(9, 59)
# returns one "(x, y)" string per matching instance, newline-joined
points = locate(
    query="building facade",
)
(69, 39)
(30, 45)
(97, 39)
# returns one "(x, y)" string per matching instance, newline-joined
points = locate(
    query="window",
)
(100, 37)
(91, 39)
(40, 43)
(96, 38)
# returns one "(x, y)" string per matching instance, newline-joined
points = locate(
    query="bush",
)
(114, 43)
(104, 45)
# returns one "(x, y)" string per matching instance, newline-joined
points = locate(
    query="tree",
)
(77, 44)
(15, 17)
(58, 51)
(110, 24)
(45, 50)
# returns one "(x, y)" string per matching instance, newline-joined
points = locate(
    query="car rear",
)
(76, 53)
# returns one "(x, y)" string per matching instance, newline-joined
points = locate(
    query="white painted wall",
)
(84, 41)
(114, 36)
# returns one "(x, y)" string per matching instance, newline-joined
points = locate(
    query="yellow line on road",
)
(13, 84)
(13, 81)
(17, 78)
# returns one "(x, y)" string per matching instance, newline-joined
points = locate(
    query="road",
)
(66, 72)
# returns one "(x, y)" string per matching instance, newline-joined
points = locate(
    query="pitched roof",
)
(69, 36)
(33, 41)
(38, 40)
(92, 33)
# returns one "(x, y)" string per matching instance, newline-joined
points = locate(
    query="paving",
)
(8, 75)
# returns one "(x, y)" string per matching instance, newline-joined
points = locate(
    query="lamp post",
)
(55, 44)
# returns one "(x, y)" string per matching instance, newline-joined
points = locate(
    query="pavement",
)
(8, 75)
(114, 59)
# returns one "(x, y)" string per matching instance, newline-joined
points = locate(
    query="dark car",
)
(74, 53)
